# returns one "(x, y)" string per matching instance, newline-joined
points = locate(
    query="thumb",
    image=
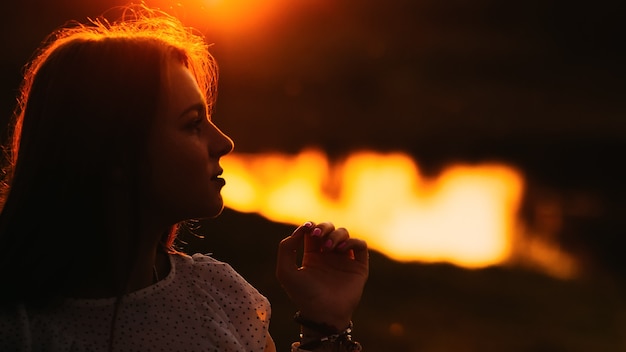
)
(286, 262)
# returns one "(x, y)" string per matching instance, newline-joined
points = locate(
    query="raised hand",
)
(328, 284)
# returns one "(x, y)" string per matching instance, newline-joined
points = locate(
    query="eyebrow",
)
(200, 106)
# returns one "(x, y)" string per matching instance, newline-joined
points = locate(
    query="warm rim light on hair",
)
(136, 21)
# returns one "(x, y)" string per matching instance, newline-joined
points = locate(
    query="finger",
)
(315, 242)
(288, 248)
(336, 237)
(358, 248)
(361, 253)
(326, 227)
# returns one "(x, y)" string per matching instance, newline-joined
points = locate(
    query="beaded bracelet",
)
(332, 338)
(322, 328)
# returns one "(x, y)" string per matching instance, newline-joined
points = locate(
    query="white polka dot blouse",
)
(201, 305)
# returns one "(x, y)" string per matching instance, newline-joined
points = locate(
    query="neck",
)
(133, 252)
(145, 256)
(143, 273)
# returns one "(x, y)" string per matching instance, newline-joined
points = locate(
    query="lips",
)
(216, 177)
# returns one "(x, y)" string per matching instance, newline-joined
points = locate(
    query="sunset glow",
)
(465, 216)
(229, 16)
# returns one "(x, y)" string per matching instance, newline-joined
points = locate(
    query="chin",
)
(214, 210)
(216, 213)
(199, 208)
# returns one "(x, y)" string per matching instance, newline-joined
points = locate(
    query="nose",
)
(220, 144)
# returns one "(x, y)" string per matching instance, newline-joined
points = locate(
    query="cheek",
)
(180, 186)
(181, 164)
(178, 165)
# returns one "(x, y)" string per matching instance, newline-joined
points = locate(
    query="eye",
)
(195, 118)
(196, 122)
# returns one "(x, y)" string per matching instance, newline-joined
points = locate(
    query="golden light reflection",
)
(227, 15)
(465, 216)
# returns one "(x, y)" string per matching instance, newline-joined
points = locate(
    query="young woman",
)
(112, 148)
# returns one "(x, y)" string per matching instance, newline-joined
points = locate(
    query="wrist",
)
(316, 336)
(329, 323)
(320, 326)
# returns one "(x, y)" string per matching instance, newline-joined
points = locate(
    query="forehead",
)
(180, 89)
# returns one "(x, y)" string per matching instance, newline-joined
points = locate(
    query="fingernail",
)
(342, 245)
(307, 224)
(317, 232)
(328, 244)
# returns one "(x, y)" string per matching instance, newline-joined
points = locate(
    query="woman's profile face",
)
(184, 148)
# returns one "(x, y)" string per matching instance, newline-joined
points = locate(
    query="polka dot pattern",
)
(202, 305)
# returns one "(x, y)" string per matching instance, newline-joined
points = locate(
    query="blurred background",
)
(477, 145)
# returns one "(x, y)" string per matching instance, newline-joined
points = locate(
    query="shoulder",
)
(215, 276)
(196, 260)
(205, 258)
(205, 268)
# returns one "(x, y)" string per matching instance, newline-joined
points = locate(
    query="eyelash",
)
(196, 124)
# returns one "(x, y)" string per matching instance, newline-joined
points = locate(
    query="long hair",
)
(86, 103)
